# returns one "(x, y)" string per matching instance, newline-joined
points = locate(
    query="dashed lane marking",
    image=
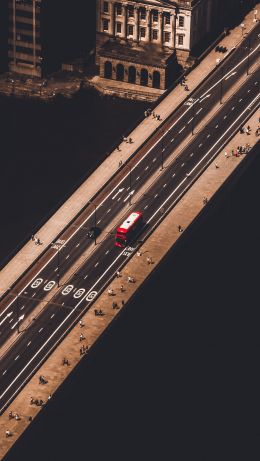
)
(190, 120)
(154, 159)
(109, 209)
(191, 155)
(17, 357)
(208, 136)
(106, 252)
(146, 168)
(183, 128)
(33, 294)
(52, 316)
(30, 341)
(67, 256)
(78, 244)
(4, 372)
(55, 270)
(216, 126)
(99, 221)
(200, 144)
(182, 164)
(40, 329)
(145, 207)
(22, 307)
(172, 139)
(240, 100)
(96, 264)
(138, 177)
(199, 110)
(85, 277)
(173, 175)
(225, 116)
(156, 195)
(165, 185)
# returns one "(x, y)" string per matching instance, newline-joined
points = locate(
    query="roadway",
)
(25, 296)
(67, 306)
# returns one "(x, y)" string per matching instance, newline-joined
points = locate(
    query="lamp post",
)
(95, 220)
(255, 16)
(221, 85)
(248, 55)
(163, 149)
(193, 116)
(130, 183)
(242, 28)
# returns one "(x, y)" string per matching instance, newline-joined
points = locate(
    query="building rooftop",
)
(148, 54)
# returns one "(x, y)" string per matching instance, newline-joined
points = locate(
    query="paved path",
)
(26, 256)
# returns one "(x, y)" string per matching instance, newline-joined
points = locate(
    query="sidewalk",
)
(48, 233)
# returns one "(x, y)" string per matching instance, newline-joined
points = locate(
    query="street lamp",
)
(163, 149)
(242, 28)
(255, 15)
(95, 219)
(248, 54)
(221, 84)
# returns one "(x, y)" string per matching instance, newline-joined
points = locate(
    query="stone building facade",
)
(143, 41)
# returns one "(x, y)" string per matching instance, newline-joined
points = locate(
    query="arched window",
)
(108, 69)
(156, 79)
(144, 77)
(120, 72)
(131, 74)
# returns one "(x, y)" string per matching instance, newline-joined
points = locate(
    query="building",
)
(3, 35)
(44, 33)
(143, 41)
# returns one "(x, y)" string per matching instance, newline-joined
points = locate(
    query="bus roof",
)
(129, 221)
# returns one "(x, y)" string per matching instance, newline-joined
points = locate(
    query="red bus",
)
(130, 226)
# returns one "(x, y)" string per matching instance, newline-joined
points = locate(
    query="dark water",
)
(176, 376)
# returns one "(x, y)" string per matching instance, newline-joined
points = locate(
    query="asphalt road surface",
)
(67, 306)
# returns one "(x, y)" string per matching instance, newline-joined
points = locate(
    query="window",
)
(119, 9)
(167, 36)
(118, 27)
(130, 29)
(180, 39)
(105, 25)
(143, 13)
(105, 7)
(181, 21)
(167, 18)
(155, 16)
(155, 34)
(142, 32)
(130, 11)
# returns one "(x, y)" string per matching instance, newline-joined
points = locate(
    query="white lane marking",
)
(19, 319)
(22, 307)
(200, 144)
(182, 164)
(40, 329)
(138, 177)
(208, 136)
(33, 295)
(199, 111)
(29, 343)
(54, 333)
(248, 90)
(146, 168)
(52, 316)
(190, 120)
(225, 116)
(67, 256)
(6, 317)
(173, 175)
(191, 155)
(172, 139)
(156, 195)
(256, 83)
(231, 75)
(216, 126)
(154, 159)
(85, 277)
(201, 160)
(145, 207)
(99, 221)
(129, 195)
(106, 252)
(163, 149)
(230, 71)
(109, 209)
(183, 128)
(205, 97)
(128, 188)
(165, 185)
(63, 303)
(17, 357)
(4, 372)
(10, 321)
(233, 108)
(96, 264)
(119, 199)
(78, 244)
(55, 270)
(240, 100)
(118, 192)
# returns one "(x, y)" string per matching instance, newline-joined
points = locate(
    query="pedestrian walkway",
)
(101, 176)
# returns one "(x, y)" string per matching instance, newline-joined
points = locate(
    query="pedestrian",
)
(149, 260)
(114, 305)
(130, 279)
(158, 117)
(122, 288)
(111, 292)
(118, 274)
(180, 229)
(8, 433)
(154, 116)
(216, 165)
(186, 87)
(81, 324)
(226, 154)
(145, 113)
(124, 139)
(17, 417)
(123, 302)
(130, 141)
(32, 238)
(139, 253)
(118, 148)
(10, 415)
(82, 337)
(49, 397)
(120, 163)
(205, 200)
